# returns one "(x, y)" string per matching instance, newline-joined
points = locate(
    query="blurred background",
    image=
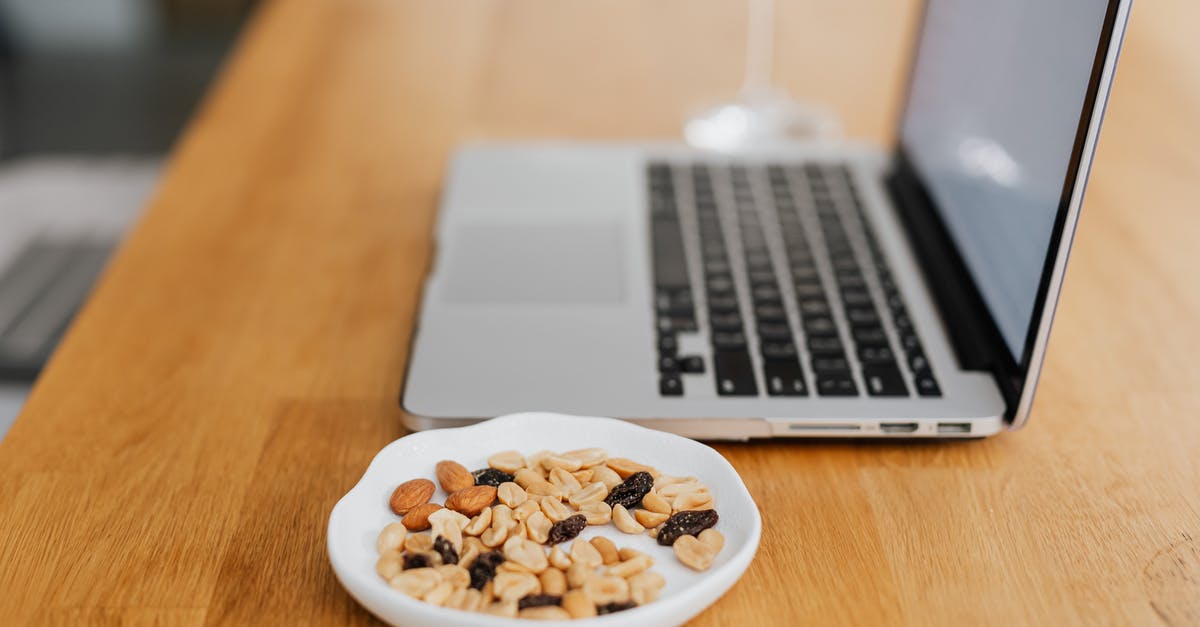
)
(92, 95)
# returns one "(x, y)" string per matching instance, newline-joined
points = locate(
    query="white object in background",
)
(358, 517)
(764, 115)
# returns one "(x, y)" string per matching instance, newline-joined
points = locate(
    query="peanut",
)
(554, 581)
(543, 488)
(654, 502)
(713, 539)
(555, 510)
(692, 500)
(538, 527)
(391, 538)
(582, 552)
(607, 476)
(578, 574)
(544, 612)
(505, 609)
(588, 457)
(578, 605)
(511, 494)
(558, 461)
(625, 467)
(645, 587)
(605, 590)
(584, 476)
(598, 513)
(559, 559)
(566, 482)
(439, 594)
(479, 523)
(526, 553)
(415, 582)
(525, 476)
(647, 518)
(594, 492)
(606, 549)
(444, 523)
(507, 461)
(693, 553)
(631, 567)
(418, 543)
(513, 586)
(455, 574)
(527, 509)
(624, 521)
(390, 564)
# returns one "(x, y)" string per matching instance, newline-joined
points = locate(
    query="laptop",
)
(831, 289)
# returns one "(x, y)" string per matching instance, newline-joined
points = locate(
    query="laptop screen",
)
(997, 92)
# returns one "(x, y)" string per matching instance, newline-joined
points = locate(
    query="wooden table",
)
(239, 364)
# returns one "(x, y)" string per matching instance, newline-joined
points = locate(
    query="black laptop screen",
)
(997, 92)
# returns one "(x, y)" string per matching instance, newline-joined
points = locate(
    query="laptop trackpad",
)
(536, 264)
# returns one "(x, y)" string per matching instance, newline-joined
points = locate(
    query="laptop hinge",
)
(975, 338)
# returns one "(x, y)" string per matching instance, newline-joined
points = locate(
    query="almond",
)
(417, 518)
(410, 494)
(453, 476)
(470, 501)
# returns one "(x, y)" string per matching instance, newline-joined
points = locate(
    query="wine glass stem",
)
(760, 49)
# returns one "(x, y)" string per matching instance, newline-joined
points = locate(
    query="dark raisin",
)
(538, 600)
(566, 529)
(609, 608)
(484, 568)
(630, 491)
(689, 523)
(416, 560)
(443, 547)
(491, 476)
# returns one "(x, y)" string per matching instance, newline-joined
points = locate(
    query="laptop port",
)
(954, 427)
(898, 427)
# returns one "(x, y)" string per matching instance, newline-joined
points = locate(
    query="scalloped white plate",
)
(360, 515)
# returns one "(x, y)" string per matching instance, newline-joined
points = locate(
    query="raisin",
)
(416, 560)
(443, 547)
(630, 491)
(609, 608)
(484, 568)
(538, 600)
(566, 529)
(491, 476)
(688, 523)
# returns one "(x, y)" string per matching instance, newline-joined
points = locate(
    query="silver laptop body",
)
(815, 290)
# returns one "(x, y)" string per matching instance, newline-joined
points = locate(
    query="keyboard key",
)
(809, 290)
(784, 378)
(725, 322)
(667, 344)
(862, 316)
(917, 362)
(778, 350)
(723, 340)
(869, 336)
(770, 313)
(836, 385)
(722, 303)
(814, 307)
(830, 364)
(884, 380)
(826, 346)
(876, 355)
(926, 385)
(668, 364)
(819, 326)
(774, 331)
(670, 385)
(692, 364)
(734, 373)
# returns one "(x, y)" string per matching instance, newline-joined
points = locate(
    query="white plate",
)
(360, 515)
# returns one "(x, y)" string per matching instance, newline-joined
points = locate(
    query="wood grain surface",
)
(239, 364)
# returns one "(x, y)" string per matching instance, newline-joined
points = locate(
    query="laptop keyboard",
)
(790, 315)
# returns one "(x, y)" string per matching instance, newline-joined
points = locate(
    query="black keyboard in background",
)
(910, 344)
(732, 366)
(674, 304)
(782, 374)
(841, 327)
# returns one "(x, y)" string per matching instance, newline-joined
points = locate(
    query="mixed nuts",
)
(499, 543)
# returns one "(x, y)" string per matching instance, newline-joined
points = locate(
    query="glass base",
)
(760, 122)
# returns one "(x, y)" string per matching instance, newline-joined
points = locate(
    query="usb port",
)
(898, 427)
(954, 427)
